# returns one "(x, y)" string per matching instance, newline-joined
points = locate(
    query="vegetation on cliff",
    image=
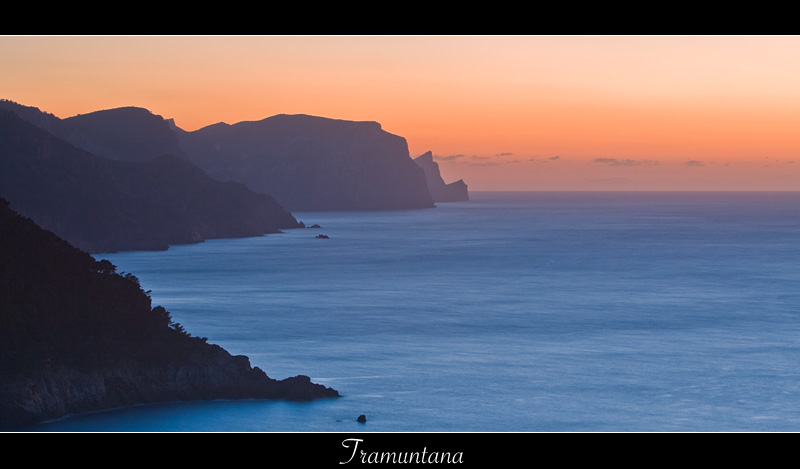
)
(76, 335)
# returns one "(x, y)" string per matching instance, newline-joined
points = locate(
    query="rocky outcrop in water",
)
(76, 336)
(441, 191)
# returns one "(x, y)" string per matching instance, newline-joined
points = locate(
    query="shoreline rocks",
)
(58, 390)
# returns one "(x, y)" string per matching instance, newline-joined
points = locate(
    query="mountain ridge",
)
(102, 204)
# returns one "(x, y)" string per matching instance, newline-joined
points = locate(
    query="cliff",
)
(101, 204)
(312, 163)
(76, 336)
(441, 191)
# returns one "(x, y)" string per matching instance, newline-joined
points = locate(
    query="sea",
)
(511, 312)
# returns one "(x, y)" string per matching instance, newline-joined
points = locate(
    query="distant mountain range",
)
(75, 335)
(127, 179)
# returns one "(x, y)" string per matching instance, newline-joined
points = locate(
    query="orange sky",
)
(516, 112)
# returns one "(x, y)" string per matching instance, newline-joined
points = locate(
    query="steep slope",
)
(441, 191)
(312, 163)
(76, 336)
(101, 205)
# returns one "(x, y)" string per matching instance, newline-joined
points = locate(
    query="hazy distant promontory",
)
(441, 191)
(313, 163)
(77, 336)
(100, 204)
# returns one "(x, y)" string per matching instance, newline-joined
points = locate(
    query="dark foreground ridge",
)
(76, 336)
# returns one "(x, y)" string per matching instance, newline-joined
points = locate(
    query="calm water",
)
(515, 312)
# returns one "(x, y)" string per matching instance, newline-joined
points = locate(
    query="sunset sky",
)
(501, 112)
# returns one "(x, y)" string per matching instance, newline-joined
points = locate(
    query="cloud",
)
(447, 158)
(488, 163)
(544, 159)
(694, 163)
(626, 162)
(611, 180)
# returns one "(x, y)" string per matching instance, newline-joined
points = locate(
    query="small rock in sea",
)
(362, 418)
(322, 236)
(315, 226)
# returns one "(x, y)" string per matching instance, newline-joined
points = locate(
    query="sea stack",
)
(441, 191)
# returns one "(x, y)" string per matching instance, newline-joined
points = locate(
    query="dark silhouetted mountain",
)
(101, 205)
(76, 336)
(127, 133)
(312, 163)
(441, 191)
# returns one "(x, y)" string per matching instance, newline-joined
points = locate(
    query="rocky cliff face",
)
(313, 163)
(76, 336)
(441, 191)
